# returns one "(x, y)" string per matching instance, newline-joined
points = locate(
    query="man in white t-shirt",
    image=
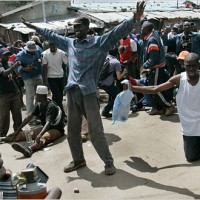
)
(53, 60)
(187, 100)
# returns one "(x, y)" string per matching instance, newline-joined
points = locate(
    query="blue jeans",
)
(112, 92)
(192, 147)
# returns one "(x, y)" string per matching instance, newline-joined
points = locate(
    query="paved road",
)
(148, 153)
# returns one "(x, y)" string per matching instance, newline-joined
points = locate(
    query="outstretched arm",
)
(108, 40)
(28, 24)
(60, 41)
(157, 88)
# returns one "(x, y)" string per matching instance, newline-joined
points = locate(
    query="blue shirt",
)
(86, 57)
(28, 59)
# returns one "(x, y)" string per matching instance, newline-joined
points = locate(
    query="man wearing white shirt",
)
(53, 59)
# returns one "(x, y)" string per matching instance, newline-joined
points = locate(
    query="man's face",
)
(38, 97)
(81, 31)
(53, 48)
(187, 27)
(144, 31)
(191, 68)
(31, 52)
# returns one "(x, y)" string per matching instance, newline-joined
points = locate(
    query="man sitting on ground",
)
(52, 125)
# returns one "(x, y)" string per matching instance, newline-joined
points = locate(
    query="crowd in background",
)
(127, 59)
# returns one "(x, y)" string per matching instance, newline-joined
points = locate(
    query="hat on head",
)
(41, 89)
(81, 20)
(4, 51)
(182, 55)
(30, 46)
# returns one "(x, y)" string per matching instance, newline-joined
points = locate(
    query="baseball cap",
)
(41, 89)
(30, 46)
(182, 55)
(81, 20)
(4, 51)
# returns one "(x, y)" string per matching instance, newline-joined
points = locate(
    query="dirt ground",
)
(148, 154)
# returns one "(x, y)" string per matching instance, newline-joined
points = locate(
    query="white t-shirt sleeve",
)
(44, 58)
(133, 46)
(64, 57)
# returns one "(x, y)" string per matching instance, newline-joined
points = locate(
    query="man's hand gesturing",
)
(140, 10)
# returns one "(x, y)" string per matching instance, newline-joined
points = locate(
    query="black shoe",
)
(74, 165)
(106, 115)
(24, 150)
(110, 169)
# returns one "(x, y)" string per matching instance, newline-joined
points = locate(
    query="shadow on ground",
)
(124, 180)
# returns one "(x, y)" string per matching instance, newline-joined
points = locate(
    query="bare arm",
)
(10, 70)
(28, 24)
(175, 80)
(120, 75)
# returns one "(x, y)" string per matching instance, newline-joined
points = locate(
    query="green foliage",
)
(16, 3)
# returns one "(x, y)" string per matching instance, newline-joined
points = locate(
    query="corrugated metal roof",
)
(58, 26)
(120, 16)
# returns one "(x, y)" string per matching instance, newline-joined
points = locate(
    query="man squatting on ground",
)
(86, 56)
(187, 100)
(52, 125)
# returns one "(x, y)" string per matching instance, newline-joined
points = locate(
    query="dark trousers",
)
(112, 92)
(161, 99)
(77, 106)
(9, 103)
(56, 86)
(191, 147)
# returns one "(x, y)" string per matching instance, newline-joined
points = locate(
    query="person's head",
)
(113, 51)
(180, 27)
(193, 27)
(30, 47)
(41, 93)
(191, 65)
(5, 54)
(187, 27)
(121, 49)
(36, 39)
(52, 46)
(174, 29)
(17, 43)
(181, 57)
(81, 27)
(146, 28)
(4, 173)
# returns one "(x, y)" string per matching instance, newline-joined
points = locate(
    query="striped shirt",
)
(86, 57)
(8, 191)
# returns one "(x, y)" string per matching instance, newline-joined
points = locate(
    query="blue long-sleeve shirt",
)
(86, 57)
(27, 59)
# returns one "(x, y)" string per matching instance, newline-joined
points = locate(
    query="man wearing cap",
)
(31, 72)
(86, 55)
(52, 125)
(9, 95)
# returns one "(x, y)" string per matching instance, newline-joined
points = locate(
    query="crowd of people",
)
(156, 62)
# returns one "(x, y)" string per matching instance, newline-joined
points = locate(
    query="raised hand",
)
(28, 24)
(140, 9)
